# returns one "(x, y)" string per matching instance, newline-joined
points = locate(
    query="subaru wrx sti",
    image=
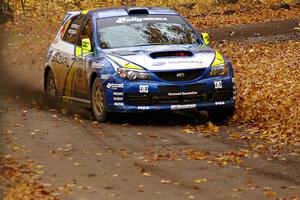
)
(137, 59)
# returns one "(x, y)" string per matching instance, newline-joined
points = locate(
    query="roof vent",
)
(137, 11)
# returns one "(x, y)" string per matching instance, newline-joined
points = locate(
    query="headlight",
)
(132, 74)
(219, 70)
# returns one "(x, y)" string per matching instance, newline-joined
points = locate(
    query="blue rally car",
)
(137, 59)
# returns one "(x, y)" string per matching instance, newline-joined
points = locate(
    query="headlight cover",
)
(133, 74)
(219, 70)
(219, 67)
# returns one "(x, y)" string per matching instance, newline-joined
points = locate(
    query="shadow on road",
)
(31, 96)
(1, 127)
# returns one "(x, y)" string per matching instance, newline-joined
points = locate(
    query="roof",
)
(122, 11)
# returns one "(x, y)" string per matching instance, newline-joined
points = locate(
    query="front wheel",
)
(220, 114)
(98, 101)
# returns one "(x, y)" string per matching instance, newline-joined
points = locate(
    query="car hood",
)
(201, 56)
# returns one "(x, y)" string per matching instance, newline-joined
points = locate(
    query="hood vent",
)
(137, 11)
(171, 54)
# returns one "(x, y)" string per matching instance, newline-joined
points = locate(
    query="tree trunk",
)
(6, 12)
(23, 8)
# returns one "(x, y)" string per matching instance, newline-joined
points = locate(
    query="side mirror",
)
(86, 45)
(205, 38)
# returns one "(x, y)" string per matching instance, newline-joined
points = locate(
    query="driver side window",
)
(86, 32)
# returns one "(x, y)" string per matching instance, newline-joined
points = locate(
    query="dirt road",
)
(148, 156)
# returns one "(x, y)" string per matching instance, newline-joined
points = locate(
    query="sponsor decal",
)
(185, 62)
(118, 98)
(218, 84)
(179, 107)
(123, 20)
(158, 63)
(144, 88)
(72, 31)
(76, 26)
(115, 86)
(105, 76)
(60, 59)
(118, 93)
(97, 65)
(181, 93)
(143, 108)
(80, 61)
(118, 104)
(220, 103)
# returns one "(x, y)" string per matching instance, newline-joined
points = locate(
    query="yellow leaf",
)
(200, 180)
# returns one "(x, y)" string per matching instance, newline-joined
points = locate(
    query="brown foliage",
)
(23, 185)
(245, 11)
(268, 82)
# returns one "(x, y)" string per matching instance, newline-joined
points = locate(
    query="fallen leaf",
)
(200, 180)
(165, 181)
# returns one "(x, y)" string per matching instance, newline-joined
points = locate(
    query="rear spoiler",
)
(69, 15)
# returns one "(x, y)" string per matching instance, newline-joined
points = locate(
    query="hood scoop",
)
(170, 54)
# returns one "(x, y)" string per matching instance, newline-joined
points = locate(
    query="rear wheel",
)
(98, 101)
(220, 114)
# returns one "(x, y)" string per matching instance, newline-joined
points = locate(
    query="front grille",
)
(177, 75)
(196, 87)
(222, 95)
(169, 88)
(168, 96)
(156, 99)
(176, 88)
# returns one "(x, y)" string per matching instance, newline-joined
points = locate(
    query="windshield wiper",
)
(159, 44)
(140, 45)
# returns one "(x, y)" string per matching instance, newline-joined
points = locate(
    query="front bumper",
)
(137, 96)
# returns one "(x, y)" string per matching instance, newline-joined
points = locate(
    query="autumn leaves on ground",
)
(266, 122)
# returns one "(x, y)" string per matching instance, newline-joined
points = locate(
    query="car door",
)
(60, 56)
(68, 49)
(82, 59)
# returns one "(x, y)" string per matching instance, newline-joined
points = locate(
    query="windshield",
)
(144, 30)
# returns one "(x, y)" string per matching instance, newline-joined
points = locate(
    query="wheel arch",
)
(94, 75)
(47, 70)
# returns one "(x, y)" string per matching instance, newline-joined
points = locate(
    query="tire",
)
(50, 89)
(218, 115)
(98, 101)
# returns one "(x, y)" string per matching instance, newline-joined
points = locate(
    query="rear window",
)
(73, 29)
(144, 30)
